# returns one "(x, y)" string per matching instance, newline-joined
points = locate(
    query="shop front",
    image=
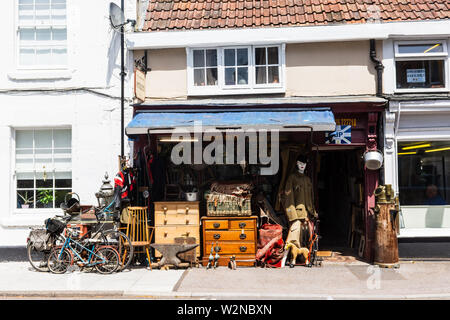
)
(220, 177)
(417, 156)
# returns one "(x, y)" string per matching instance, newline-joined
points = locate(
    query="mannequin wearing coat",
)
(299, 202)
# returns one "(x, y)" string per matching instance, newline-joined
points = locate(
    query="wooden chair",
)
(172, 188)
(139, 232)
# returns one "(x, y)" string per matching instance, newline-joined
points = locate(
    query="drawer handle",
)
(243, 248)
(165, 210)
(242, 225)
(165, 234)
(187, 221)
(216, 236)
(187, 210)
(165, 221)
(242, 236)
(216, 225)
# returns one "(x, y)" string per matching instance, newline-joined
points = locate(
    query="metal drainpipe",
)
(378, 67)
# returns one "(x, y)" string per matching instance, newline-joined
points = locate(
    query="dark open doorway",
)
(340, 183)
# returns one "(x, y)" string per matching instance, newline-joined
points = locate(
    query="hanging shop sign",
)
(139, 84)
(343, 132)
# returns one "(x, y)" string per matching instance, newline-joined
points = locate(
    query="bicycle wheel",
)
(59, 265)
(119, 241)
(111, 257)
(37, 259)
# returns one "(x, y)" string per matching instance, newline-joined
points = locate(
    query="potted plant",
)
(46, 198)
(26, 200)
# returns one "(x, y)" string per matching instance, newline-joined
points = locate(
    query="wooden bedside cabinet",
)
(234, 236)
(175, 219)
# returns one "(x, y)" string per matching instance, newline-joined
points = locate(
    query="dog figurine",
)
(295, 251)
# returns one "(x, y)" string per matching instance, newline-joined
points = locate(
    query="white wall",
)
(85, 97)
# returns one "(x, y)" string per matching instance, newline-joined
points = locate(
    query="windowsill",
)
(62, 74)
(424, 233)
(29, 217)
(420, 90)
(223, 92)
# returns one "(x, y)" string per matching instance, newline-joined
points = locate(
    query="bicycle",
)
(87, 253)
(113, 237)
(41, 240)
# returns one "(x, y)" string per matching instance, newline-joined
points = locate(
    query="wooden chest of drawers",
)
(233, 235)
(177, 219)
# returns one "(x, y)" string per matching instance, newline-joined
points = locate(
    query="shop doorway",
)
(340, 187)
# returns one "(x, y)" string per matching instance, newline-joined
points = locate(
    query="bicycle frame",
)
(67, 244)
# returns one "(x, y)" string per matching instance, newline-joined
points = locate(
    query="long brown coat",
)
(298, 197)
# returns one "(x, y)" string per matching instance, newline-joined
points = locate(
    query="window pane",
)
(59, 57)
(421, 48)
(43, 34)
(199, 58)
(44, 198)
(260, 75)
(25, 199)
(242, 75)
(26, 13)
(60, 197)
(273, 75)
(199, 77)
(24, 159)
(24, 139)
(62, 138)
(260, 56)
(58, 12)
(420, 74)
(44, 180)
(242, 57)
(272, 55)
(230, 57)
(26, 57)
(230, 76)
(63, 180)
(25, 180)
(42, 12)
(211, 76)
(43, 57)
(424, 177)
(59, 34)
(43, 138)
(211, 58)
(26, 35)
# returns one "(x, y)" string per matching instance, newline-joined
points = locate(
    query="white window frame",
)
(222, 67)
(250, 88)
(50, 170)
(35, 27)
(415, 56)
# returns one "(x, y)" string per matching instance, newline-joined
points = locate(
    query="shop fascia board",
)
(301, 34)
(420, 106)
(261, 102)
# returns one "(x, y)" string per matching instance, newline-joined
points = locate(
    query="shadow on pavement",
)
(13, 254)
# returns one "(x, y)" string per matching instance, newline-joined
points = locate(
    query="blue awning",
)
(165, 122)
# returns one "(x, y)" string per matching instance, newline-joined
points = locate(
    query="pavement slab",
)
(413, 280)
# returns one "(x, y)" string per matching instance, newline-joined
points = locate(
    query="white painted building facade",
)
(417, 131)
(60, 99)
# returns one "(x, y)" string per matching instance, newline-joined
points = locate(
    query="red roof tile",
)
(208, 14)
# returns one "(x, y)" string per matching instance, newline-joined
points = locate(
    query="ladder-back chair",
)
(139, 232)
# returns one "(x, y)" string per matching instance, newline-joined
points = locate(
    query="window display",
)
(424, 172)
